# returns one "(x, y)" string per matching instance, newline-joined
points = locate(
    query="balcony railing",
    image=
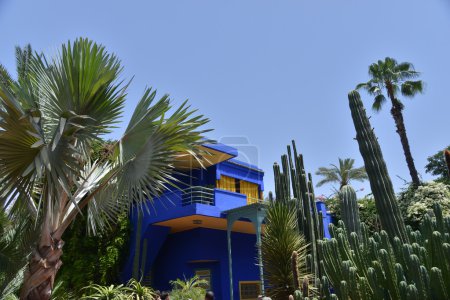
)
(197, 195)
(204, 195)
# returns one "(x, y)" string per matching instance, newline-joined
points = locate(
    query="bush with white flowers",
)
(416, 202)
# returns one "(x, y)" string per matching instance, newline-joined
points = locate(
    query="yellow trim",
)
(187, 223)
(249, 282)
(209, 157)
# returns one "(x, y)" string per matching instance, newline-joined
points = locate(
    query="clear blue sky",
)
(266, 71)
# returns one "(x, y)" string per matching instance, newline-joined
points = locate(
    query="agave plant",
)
(137, 291)
(100, 292)
(47, 127)
(281, 238)
(192, 288)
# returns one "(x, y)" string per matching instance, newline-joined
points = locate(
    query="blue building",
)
(209, 226)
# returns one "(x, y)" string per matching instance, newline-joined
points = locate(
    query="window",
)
(251, 190)
(249, 290)
(204, 274)
(226, 183)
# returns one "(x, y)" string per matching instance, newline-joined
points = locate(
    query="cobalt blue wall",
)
(326, 217)
(240, 170)
(180, 248)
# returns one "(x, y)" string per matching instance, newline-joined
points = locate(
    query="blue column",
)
(230, 222)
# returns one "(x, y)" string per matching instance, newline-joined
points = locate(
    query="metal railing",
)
(251, 200)
(197, 195)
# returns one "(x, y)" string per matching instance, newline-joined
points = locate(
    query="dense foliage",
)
(437, 166)
(133, 290)
(94, 259)
(17, 236)
(416, 202)
(189, 288)
(367, 212)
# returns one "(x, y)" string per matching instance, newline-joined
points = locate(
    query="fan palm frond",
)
(51, 120)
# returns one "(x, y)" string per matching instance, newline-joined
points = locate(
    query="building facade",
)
(209, 226)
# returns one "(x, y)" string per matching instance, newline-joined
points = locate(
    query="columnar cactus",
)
(349, 209)
(380, 182)
(378, 267)
(294, 262)
(310, 222)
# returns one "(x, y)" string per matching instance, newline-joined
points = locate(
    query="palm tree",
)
(47, 127)
(392, 77)
(23, 59)
(342, 174)
(281, 238)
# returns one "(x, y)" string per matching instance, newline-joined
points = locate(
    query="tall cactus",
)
(380, 182)
(349, 209)
(376, 268)
(293, 175)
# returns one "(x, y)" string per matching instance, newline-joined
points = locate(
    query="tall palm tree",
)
(391, 77)
(342, 174)
(47, 127)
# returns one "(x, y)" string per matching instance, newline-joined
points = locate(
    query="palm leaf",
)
(378, 102)
(411, 88)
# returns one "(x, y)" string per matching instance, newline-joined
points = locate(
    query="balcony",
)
(195, 200)
(216, 197)
(197, 195)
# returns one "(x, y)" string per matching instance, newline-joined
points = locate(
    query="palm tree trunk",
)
(397, 114)
(44, 263)
(447, 160)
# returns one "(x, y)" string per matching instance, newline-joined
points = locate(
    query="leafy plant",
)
(17, 236)
(137, 291)
(281, 238)
(94, 258)
(111, 292)
(191, 288)
(437, 166)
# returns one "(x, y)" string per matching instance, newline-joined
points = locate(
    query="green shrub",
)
(94, 259)
(415, 202)
(191, 288)
(367, 212)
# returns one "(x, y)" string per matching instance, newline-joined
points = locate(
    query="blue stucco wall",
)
(240, 170)
(326, 217)
(179, 249)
